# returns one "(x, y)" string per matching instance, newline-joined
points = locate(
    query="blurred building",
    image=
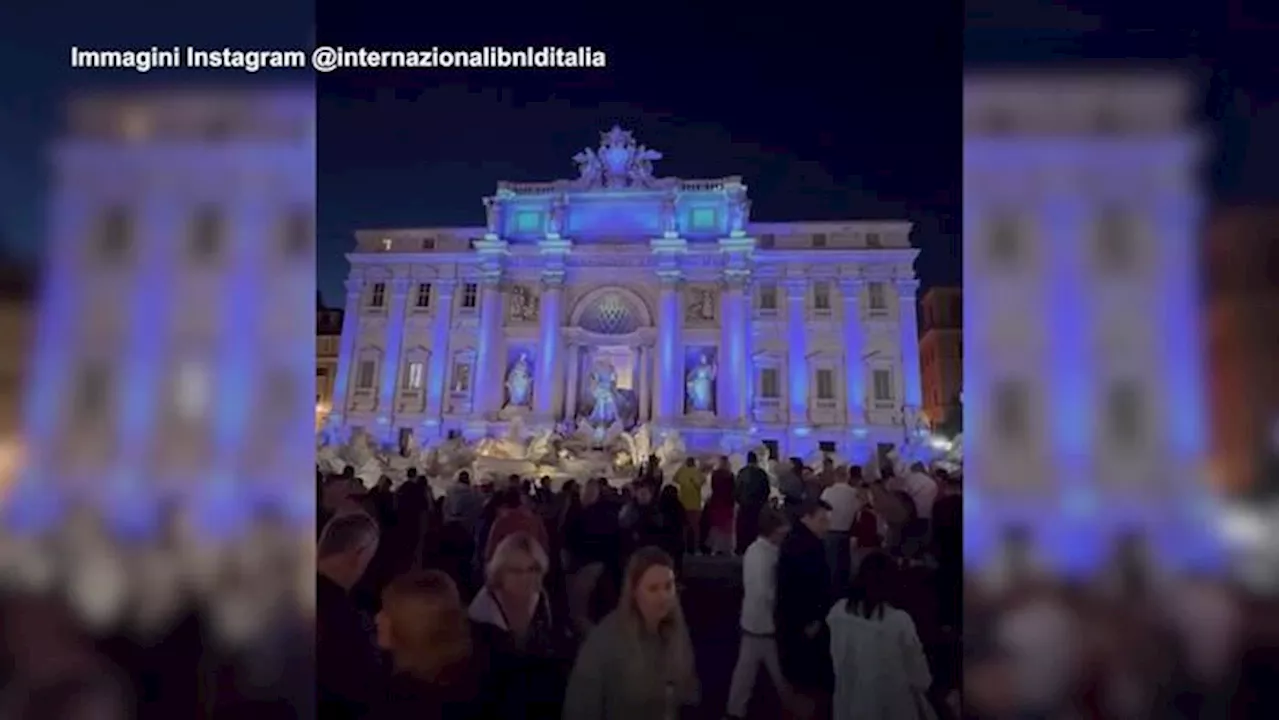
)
(1240, 307)
(328, 339)
(180, 256)
(17, 316)
(941, 350)
(1082, 367)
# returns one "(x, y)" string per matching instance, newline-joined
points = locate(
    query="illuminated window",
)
(703, 218)
(423, 299)
(470, 296)
(769, 386)
(826, 385)
(387, 244)
(378, 295)
(429, 243)
(413, 376)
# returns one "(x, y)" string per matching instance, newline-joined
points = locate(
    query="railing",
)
(559, 186)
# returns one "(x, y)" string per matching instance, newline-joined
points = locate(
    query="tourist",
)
(751, 493)
(463, 503)
(592, 539)
(513, 516)
(349, 678)
(922, 489)
(791, 482)
(759, 646)
(718, 515)
(439, 670)
(845, 501)
(690, 479)
(673, 532)
(893, 512)
(804, 598)
(529, 649)
(947, 539)
(638, 663)
(879, 664)
(829, 475)
(640, 520)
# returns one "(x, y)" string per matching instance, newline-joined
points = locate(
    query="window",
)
(769, 297)
(528, 221)
(192, 391)
(769, 383)
(367, 374)
(820, 240)
(703, 218)
(378, 295)
(1010, 411)
(882, 385)
(413, 376)
(424, 296)
(1124, 413)
(873, 240)
(1004, 240)
(207, 232)
(461, 377)
(296, 235)
(875, 297)
(387, 244)
(1114, 239)
(826, 385)
(767, 241)
(115, 233)
(470, 296)
(429, 243)
(822, 296)
(92, 391)
(826, 446)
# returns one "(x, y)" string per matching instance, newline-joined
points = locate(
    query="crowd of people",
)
(508, 600)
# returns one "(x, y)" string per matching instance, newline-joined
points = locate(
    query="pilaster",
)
(854, 348)
(737, 384)
(441, 324)
(797, 289)
(399, 299)
(549, 362)
(489, 354)
(909, 342)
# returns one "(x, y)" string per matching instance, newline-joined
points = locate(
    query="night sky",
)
(831, 114)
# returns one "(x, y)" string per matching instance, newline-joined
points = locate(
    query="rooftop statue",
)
(618, 163)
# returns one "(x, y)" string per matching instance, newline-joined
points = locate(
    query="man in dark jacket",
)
(751, 493)
(349, 674)
(803, 600)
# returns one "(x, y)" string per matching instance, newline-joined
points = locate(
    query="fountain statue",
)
(519, 383)
(604, 394)
(699, 386)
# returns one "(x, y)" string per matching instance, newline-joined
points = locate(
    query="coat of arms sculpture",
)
(618, 163)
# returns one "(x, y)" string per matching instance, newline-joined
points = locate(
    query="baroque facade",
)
(941, 352)
(621, 297)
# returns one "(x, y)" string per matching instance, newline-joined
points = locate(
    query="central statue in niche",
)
(700, 385)
(604, 394)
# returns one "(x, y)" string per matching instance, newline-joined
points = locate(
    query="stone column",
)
(574, 360)
(489, 355)
(855, 380)
(670, 361)
(909, 342)
(642, 386)
(347, 351)
(441, 324)
(399, 299)
(797, 353)
(734, 363)
(549, 360)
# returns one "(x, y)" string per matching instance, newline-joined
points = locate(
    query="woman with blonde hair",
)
(438, 671)
(530, 650)
(638, 662)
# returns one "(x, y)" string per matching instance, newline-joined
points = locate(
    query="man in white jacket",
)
(760, 588)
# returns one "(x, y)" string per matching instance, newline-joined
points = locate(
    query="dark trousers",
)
(746, 527)
(837, 543)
